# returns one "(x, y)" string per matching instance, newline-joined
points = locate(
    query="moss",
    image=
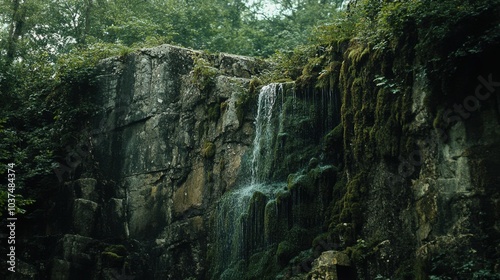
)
(333, 140)
(282, 80)
(347, 215)
(299, 237)
(111, 259)
(373, 119)
(235, 271)
(358, 52)
(203, 73)
(259, 200)
(283, 198)
(327, 77)
(310, 72)
(339, 186)
(346, 233)
(271, 223)
(154, 190)
(114, 255)
(253, 85)
(262, 266)
(208, 150)
(323, 242)
(117, 249)
(386, 142)
(338, 193)
(362, 250)
(303, 185)
(285, 252)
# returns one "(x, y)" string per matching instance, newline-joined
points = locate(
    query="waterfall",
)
(264, 132)
(240, 213)
(260, 209)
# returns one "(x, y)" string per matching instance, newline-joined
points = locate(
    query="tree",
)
(16, 27)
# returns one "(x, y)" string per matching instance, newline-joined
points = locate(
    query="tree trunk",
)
(86, 27)
(15, 30)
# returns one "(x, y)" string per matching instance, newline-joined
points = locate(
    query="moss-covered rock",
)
(262, 265)
(333, 140)
(114, 255)
(285, 252)
(204, 73)
(208, 150)
(273, 227)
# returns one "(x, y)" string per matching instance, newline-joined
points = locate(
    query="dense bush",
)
(45, 107)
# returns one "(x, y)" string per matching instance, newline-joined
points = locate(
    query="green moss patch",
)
(208, 150)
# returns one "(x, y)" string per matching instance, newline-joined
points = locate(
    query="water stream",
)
(240, 214)
(265, 133)
(285, 127)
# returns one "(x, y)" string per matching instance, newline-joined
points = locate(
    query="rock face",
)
(173, 136)
(168, 141)
(343, 180)
(418, 157)
(331, 265)
(173, 140)
(177, 132)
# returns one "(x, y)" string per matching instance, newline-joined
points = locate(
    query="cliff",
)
(375, 168)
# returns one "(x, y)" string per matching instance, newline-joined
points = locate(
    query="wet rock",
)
(331, 265)
(170, 146)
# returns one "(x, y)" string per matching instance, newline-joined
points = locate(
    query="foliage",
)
(343, 25)
(70, 99)
(217, 25)
(25, 135)
(445, 30)
(382, 23)
(289, 64)
(50, 49)
(7, 145)
(46, 102)
(388, 84)
(231, 26)
(21, 203)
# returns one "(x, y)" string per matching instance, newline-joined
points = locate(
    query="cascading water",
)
(250, 218)
(240, 214)
(265, 132)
